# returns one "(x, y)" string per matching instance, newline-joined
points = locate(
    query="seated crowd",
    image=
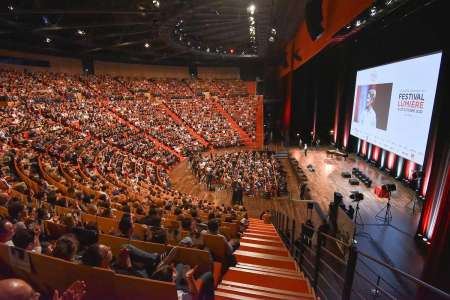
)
(256, 172)
(77, 169)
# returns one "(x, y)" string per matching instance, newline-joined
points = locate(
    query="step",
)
(220, 295)
(270, 270)
(283, 282)
(267, 289)
(261, 230)
(252, 247)
(261, 241)
(265, 259)
(254, 293)
(263, 236)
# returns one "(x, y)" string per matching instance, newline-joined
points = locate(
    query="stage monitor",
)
(393, 105)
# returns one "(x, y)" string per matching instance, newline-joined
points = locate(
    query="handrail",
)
(408, 276)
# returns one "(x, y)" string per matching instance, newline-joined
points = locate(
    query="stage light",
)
(424, 239)
(273, 31)
(348, 26)
(373, 11)
(11, 8)
(146, 45)
(207, 50)
(358, 23)
(251, 9)
(389, 2)
(156, 3)
(231, 50)
(48, 40)
(271, 39)
(81, 32)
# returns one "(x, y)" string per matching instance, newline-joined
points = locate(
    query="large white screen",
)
(393, 105)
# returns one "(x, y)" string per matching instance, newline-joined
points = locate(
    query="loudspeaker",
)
(313, 15)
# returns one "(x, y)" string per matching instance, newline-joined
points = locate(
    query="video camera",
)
(356, 196)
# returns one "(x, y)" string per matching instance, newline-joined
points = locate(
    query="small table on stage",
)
(337, 153)
(380, 192)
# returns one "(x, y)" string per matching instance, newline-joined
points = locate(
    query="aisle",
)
(265, 269)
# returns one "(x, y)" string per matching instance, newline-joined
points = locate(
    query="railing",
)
(338, 270)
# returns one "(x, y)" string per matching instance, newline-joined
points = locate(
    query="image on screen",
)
(393, 105)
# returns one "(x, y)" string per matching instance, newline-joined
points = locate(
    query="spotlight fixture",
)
(251, 9)
(156, 3)
(81, 32)
(273, 31)
(48, 40)
(271, 39)
(389, 2)
(11, 8)
(146, 45)
(358, 23)
(373, 11)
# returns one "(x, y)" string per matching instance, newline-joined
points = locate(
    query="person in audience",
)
(66, 247)
(27, 239)
(97, 255)
(230, 246)
(7, 232)
(17, 289)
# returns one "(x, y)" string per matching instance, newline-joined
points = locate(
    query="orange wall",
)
(336, 15)
(136, 70)
(218, 73)
(57, 64)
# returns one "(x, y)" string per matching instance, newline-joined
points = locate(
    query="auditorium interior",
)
(224, 149)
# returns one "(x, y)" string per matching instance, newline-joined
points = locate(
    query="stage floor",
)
(393, 244)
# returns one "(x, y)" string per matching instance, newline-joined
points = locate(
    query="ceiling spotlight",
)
(273, 31)
(251, 9)
(373, 11)
(146, 45)
(389, 2)
(348, 26)
(231, 50)
(271, 39)
(81, 32)
(189, 43)
(156, 3)
(11, 8)
(48, 40)
(358, 23)
(207, 50)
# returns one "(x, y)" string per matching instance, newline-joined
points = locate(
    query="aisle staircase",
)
(264, 270)
(259, 140)
(245, 138)
(179, 121)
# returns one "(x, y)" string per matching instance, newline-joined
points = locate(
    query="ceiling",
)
(152, 31)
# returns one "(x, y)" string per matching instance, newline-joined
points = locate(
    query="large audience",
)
(75, 150)
(256, 172)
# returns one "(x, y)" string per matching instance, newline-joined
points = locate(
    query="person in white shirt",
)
(369, 116)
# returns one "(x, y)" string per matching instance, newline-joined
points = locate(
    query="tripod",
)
(358, 220)
(387, 218)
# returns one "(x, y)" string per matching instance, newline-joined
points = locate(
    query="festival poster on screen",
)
(393, 105)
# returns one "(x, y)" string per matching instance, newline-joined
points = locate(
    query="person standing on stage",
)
(305, 149)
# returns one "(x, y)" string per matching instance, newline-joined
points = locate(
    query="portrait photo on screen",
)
(372, 105)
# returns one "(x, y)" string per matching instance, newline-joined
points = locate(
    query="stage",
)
(389, 243)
